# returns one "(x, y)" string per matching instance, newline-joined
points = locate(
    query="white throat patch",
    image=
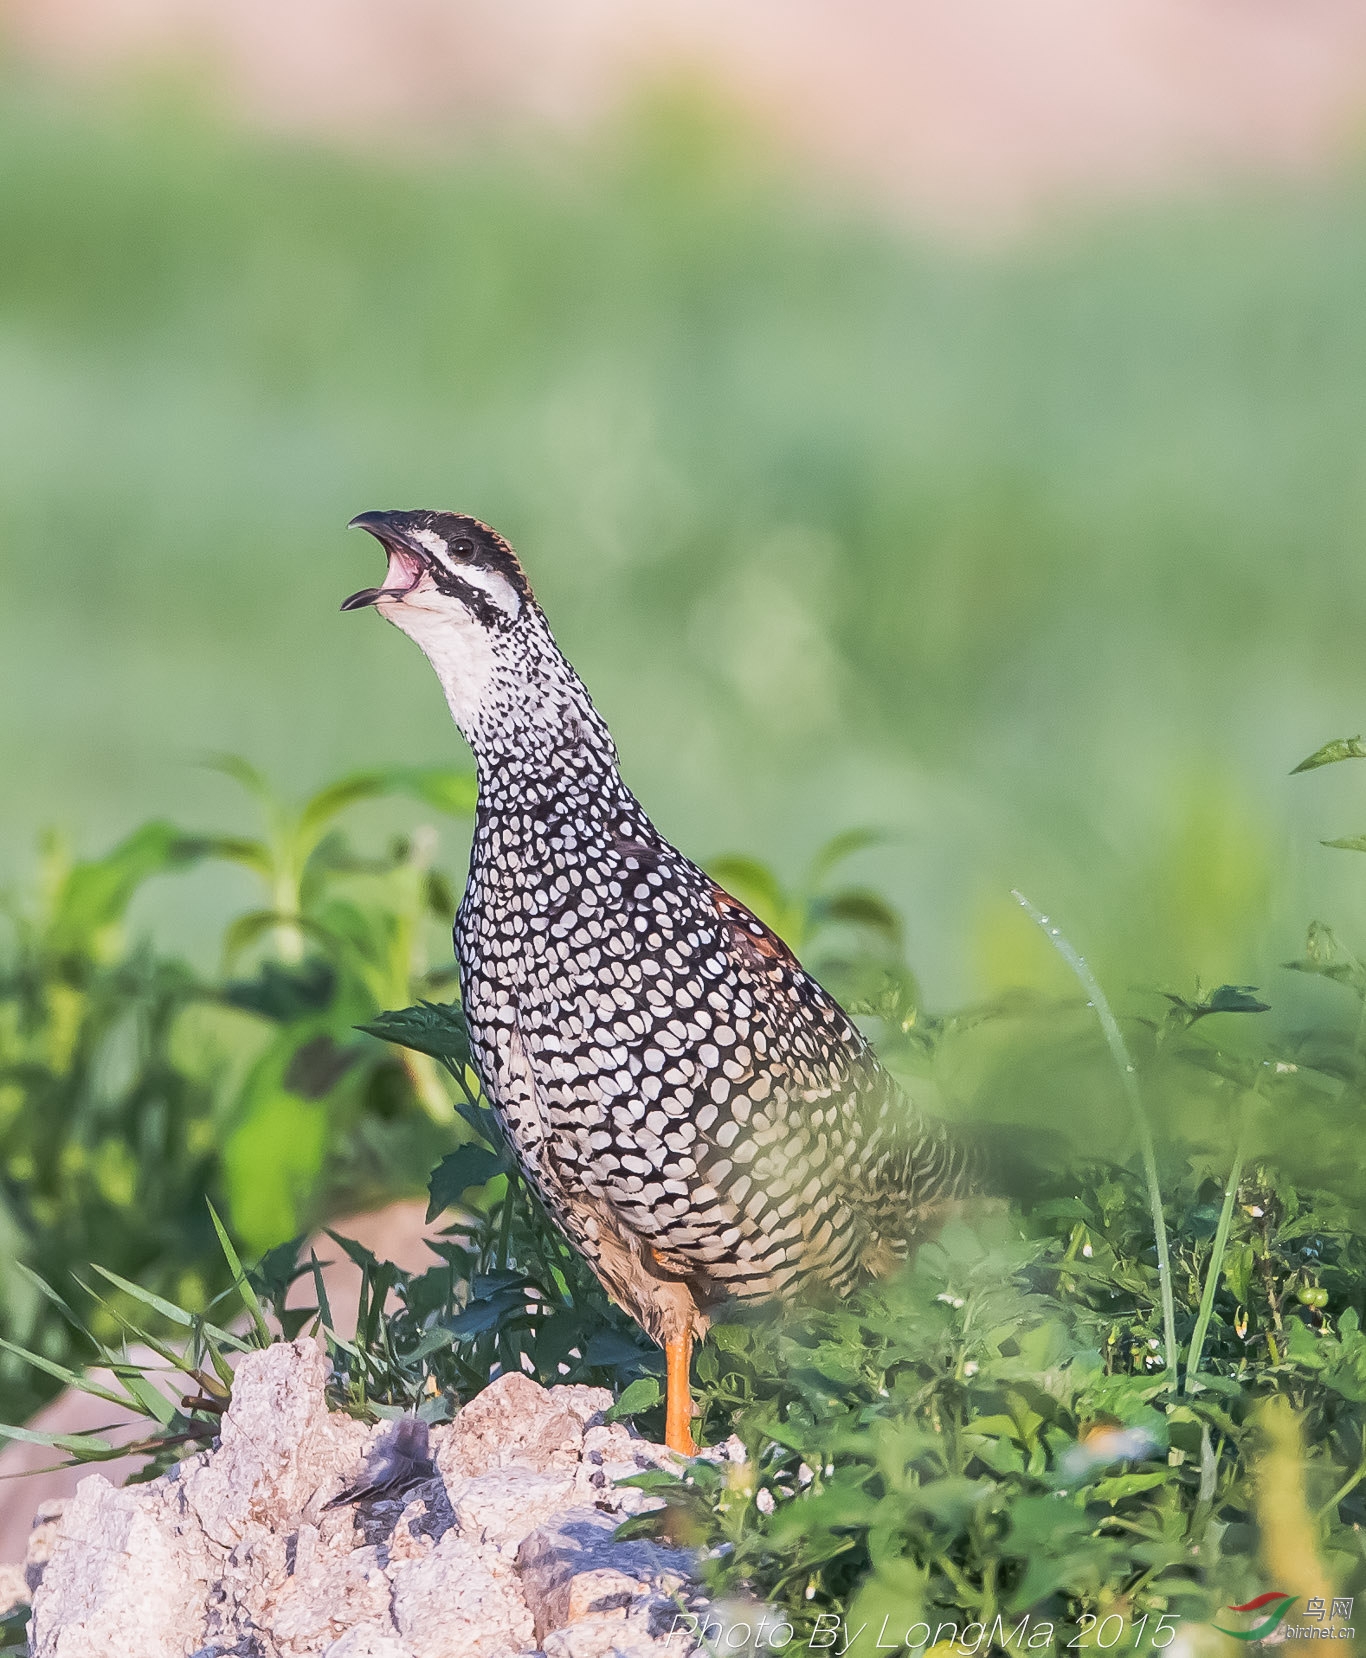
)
(460, 649)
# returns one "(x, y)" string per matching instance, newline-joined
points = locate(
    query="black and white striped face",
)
(444, 564)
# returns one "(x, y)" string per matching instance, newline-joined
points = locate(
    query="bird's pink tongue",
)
(404, 573)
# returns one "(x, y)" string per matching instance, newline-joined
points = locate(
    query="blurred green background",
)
(1046, 558)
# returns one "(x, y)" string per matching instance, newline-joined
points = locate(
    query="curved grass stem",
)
(1129, 1078)
(1216, 1262)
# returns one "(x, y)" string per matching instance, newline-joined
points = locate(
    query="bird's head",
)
(444, 569)
(456, 588)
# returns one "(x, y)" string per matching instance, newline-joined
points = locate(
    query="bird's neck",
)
(538, 741)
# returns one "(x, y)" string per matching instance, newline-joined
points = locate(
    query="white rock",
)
(611, 1452)
(368, 1640)
(514, 1423)
(499, 1509)
(589, 1404)
(121, 1582)
(14, 1589)
(571, 1568)
(335, 1593)
(235, 1550)
(455, 1604)
(279, 1444)
(614, 1638)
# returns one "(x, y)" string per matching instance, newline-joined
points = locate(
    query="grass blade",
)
(100, 1450)
(1216, 1263)
(68, 1377)
(324, 1305)
(1129, 1078)
(158, 1304)
(248, 1294)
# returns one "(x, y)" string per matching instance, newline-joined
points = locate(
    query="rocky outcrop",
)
(306, 1534)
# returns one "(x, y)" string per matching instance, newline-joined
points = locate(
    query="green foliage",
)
(1341, 748)
(107, 1133)
(1014, 1424)
(992, 1432)
(132, 1087)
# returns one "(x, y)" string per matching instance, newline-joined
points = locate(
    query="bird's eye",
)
(463, 547)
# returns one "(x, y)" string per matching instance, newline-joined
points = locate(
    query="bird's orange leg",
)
(678, 1403)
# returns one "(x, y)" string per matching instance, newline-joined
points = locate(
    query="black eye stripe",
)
(480, 606)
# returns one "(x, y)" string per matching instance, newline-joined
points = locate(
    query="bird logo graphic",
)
(1275, 1602)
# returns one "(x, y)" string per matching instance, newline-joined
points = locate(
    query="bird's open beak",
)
(407, 563)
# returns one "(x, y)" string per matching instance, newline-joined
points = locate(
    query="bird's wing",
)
(889, 1159)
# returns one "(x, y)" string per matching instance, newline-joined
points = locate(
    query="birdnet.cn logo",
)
(1318, 1621)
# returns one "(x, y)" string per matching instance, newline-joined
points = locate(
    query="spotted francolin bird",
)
(700, 1117)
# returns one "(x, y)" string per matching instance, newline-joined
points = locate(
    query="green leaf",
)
(221, 1368)
(1344, 748)
(1239, 1263)
(285, 993)
(440, 896)
(96, 894)
(167, 1309)
(250, 928)
(85, 1447)
(732, 1338)
(643, 1394)
(328, 803)
(838, 848)
(240, 1278)
(1120, 1486)
(239, 849)
(1347, 843)
(318, 1066)
(643, 1525)
(1324, 956)
(493, 1313)
(1236, 998)
(435, 1028)
(456, 793)
(612, 1350)
(441, 787)
(1063, 1208)
(856, 908)
(272, 1151)
(151, 1400)
(294, 1319)
(754, 884)
(278, 1269)
(64, 1374)
(468, 1165)
(320, 1290)
(243, 772)
(356, 1253)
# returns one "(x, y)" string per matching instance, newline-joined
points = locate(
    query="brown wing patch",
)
(757, 943)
